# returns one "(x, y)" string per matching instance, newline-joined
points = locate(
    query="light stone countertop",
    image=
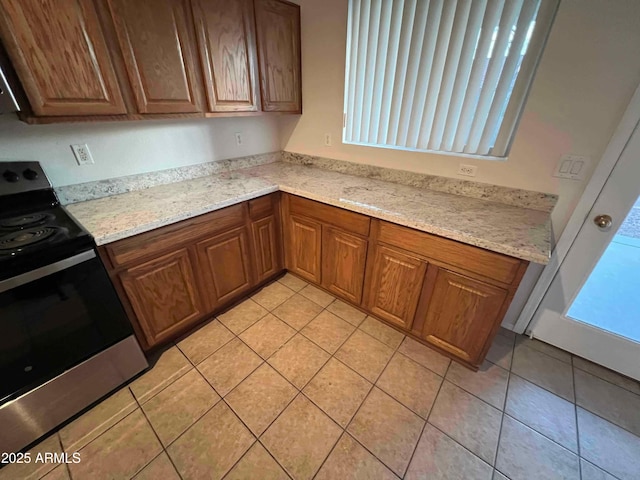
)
(520, 232)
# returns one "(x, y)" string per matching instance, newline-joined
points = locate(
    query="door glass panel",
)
(609, 298)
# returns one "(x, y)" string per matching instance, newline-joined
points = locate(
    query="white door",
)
(592, 307)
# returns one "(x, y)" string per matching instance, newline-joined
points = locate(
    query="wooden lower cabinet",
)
(343, 263)
(226, 266)
(394, 285)
(163, 294)
(267, 247)
(462, 314)
(304, 249)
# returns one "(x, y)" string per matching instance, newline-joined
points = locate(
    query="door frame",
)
(612, 153)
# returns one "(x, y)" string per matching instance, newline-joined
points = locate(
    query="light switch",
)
(576, 167)
(573, 167)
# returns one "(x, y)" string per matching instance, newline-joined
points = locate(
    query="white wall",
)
(125, 148)
(587, 75)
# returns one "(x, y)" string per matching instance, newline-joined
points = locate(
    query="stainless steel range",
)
(65, 340)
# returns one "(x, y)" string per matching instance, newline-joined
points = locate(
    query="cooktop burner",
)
(16, 241)
(26, 221)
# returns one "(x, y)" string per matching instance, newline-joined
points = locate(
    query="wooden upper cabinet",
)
(59, 51)
(343, 263)
(226, 43)
(158, 48)
(303, 247)
(226, 266)
(278, 31)
(163, 294)
(394, 285)
(462, 315)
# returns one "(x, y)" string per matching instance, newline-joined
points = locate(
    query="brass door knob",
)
(603, 221)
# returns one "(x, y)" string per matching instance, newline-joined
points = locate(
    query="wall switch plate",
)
(467, 170)
(82, 154)
(573, 167)
(238, 139)
(327, 140)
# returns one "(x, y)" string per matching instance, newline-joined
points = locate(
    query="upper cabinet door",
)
(278, 28)
(157, 45)
(59, 52)
(226, 40)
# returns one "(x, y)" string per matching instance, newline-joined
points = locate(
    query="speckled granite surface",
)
(506, 195)
(114, 186)
(521, 232)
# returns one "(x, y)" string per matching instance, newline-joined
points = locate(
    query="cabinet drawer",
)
(474, 259)
(262, 206)
(161, 239)
(349, 221)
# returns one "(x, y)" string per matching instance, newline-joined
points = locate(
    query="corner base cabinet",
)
(447, 295)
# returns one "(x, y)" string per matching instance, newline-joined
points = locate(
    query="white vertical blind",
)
(441, 75)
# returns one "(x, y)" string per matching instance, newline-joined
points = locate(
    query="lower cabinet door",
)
(461, 315)
(394, 285)
(163, 294)
(226, 266)
(303, 247)
(343, 263)
(266, 247)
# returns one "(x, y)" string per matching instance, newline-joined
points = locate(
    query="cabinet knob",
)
(603, 221)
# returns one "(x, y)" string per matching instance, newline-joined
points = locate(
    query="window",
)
(447, 76)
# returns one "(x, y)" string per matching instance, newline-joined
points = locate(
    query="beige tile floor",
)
(294, 383)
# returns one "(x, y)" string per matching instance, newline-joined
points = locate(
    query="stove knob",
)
(10, 176)
(30, 174)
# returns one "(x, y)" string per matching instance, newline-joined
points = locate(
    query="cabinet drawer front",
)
(226, 265)
(304, 247)
(395, 285)
(163, 294)
(492, 265)
(262, 206)
(462, 315)
(161, 239)
(346, 220)
(156, 41)
(59, 51)
(343, 263)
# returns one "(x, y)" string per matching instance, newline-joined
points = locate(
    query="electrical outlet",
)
(238, 139)
(467, 170)
(82, 154)
(327, 140)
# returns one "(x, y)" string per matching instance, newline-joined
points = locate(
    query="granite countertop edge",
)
(83, 215)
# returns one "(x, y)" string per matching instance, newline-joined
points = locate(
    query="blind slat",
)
(411, 80)
(478, 8)
(505, 83)
(361, 65)
(491, 19)
(509, 16)
(401, 70)
(441, 86)
(370, 65)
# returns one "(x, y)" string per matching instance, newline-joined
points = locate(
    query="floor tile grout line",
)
(609, 382)
(575, 413)
(460, 444)
(163, 448)
(504, 408)
(576, 403)
(605, 380)
(415, 448)
(542, 435)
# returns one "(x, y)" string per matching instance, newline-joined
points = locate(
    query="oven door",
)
(53, 318)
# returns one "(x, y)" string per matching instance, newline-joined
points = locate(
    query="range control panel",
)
(18, 177)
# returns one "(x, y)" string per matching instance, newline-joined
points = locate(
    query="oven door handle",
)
(47, 270)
